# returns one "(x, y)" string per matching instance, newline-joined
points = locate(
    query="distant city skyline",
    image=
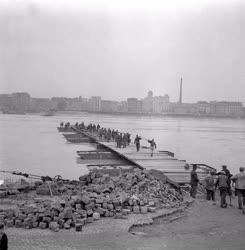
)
(124, 98)
(22, 103)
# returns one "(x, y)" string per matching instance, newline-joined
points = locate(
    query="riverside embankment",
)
(201, 226)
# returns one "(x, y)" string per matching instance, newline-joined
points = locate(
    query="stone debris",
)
(98, 196)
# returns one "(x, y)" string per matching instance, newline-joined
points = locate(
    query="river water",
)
(32, 144)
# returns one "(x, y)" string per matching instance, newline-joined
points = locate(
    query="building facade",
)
(21, 101)
(77, 104)
(147, 103)
(160, 104)
(230, 109)
(94, 104)
(122, 107)
(6, 102)
(40, 105)
(134, 105)
(109, 106)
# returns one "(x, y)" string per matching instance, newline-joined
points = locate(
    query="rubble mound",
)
(98, 195)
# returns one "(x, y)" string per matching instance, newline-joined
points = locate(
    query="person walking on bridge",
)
(137, 142)
(239, 180)
(152, 146)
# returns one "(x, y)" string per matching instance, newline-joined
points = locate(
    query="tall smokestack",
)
(180, 94)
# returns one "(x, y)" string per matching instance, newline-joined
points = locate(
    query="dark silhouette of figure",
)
(137, 142)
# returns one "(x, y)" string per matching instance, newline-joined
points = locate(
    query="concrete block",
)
(126, 211)
(68, 213)
(85, 199)
(101, 211)
(54, 226)
(35, 224)
(143, 210)
(152, 209)
(81, 221)
(18, 223)
(111, 214)
(99, 201)
(10, 223)
(78, 227)
(96, 216)
(136, 209)
(151, 203)
(61, 223)
(78, 206)
(90, 219)
(110, 207)
(104, 205)
(56, 218)
(22, 216)
(67, 226)
(89, 212)
(46, 219)
(42, 225)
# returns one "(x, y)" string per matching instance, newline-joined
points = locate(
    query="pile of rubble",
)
(96, 196)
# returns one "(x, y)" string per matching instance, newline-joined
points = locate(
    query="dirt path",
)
(201, 226)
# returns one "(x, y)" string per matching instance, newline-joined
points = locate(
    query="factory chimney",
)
(180, 95)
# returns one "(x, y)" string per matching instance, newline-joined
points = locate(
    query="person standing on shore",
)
(137, 142)
(229, 175)
(3, 238)
(209, 184)
(239, 180)
(222, 184)
(194, 182)
(152, 146)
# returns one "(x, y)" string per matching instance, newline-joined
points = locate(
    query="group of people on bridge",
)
(65, 125)
(122, 140)
(225, 182)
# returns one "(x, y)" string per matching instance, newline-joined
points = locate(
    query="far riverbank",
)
(171, 115)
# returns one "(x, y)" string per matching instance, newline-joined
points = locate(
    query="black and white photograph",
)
(122, 124)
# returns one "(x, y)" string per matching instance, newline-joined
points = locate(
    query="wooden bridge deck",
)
(173, 168)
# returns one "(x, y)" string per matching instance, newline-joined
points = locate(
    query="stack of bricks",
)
(98, 196)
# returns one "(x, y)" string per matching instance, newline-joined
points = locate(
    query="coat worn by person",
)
(3, 242)
(194, 178)
(222, 181)
(209, 183)
(239, 181)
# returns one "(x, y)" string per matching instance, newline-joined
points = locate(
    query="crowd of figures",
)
(122, 140)
(225, 182)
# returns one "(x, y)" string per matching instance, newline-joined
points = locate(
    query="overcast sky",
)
(119, 49)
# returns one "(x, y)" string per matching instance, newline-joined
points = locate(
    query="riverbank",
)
(126, 114)
(103, 234)
(159, 115)
(202, 226)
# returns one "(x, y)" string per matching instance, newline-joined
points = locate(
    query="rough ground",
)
(201, 226)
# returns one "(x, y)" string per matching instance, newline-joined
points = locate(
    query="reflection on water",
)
(32, 143)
